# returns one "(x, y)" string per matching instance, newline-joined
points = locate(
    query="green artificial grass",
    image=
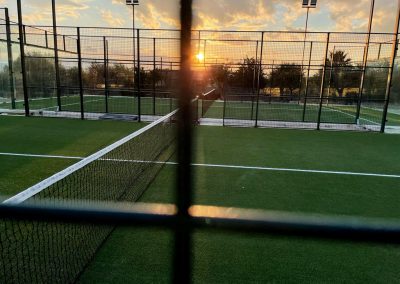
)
(48, 136)
(138, 255)
(293, 112)
(239, 258)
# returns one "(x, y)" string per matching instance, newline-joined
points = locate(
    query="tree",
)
(246, 75)
(342, 74)
(286, 76)
(219, 75)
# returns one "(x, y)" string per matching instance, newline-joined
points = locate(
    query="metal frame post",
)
(365, 62)
(390, 75)
(56, 59)
(304, 48)
(259, 78)
(23, 63)
(182, 251)
(330, 74)
(154, 76)
(10, 59)
(321, 94)
(138, 77)
(106, 90)
(78, 42)
(307, 82)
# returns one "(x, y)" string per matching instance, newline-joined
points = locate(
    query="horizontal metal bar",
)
(351, 229)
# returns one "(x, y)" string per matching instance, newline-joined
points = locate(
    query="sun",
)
(200, 57)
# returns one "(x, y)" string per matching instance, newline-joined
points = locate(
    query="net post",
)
(105, 43)
(10, 59)
(395, 48)
(365, 61)
(138, 76)
(78, 42)
(56, 58)
(224, 109)
(259, 78)
(154, 76)
(321, 93)
(307, 82)
(22, 51)
(183, 230)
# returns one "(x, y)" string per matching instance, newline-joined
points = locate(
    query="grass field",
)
(97, 104)
(144, 255)
(293, 112)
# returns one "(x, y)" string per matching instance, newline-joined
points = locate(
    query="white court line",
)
(217, 166)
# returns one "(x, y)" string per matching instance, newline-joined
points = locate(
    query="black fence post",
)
(24, 34)
(138, 77)
(390, 75)
(224, 109)
(56, 59)
(307, 83)
(321, 94)
(182, 251)
(154, 76)
(22, 51)
(80, 72)
(260, 74)
(10, 60)
(365, 61)
(46, 37)
(105, 53)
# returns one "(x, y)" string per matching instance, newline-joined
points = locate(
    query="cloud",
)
(111, 19)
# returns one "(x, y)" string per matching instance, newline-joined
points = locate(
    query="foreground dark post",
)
(80, 72)
(307, 82)
(321, 94)
(182, 259)
(105, 43)
(22, 51)
(365, 61)
(10, 60)
(154, 76)
(259, 78)
(138, 78)
(56, 59)
(390, 75)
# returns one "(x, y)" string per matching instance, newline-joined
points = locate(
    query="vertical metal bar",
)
(23, 63)
(46, 39)
(224, 111)
(259, 78)
(56, 59)
(64, 45)
(390, 75)
(80, 72)
(10, 60)
(254, 69)
(138, 77)
(307, 81)
(304, 48)
(134, 47)
(24, 34)
(330, 75)
(321, 93)
(182, 251)
(105, 53)
(379, 51)
(365, 61)
(154, 76)
(271, 83)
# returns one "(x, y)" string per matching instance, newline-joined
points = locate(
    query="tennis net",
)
(38, 252)
(207, 100)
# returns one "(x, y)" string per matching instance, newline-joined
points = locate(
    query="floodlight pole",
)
(365, 61)
(10, 59)
(56, 59)
(304, 47)
(390, 75)
(22, 56)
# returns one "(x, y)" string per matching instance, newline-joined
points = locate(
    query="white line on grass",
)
(216, 166)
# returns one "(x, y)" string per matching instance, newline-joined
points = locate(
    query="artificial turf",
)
(145, 255)
(238, 258)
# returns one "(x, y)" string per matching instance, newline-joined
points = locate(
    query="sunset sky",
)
(339, 15)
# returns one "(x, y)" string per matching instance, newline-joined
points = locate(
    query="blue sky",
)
(339, 15)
